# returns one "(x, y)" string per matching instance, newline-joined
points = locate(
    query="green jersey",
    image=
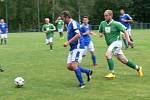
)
(48, 27)
(111, 30)
(60, 24)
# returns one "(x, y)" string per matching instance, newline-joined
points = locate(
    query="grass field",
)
(46, 76)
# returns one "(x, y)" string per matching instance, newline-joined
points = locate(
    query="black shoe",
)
(81, 85)
(1, 70)
(89, 75)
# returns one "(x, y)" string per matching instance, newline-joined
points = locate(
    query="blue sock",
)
(94, 59)
(79, 76)
(125, 42)
(84, 70)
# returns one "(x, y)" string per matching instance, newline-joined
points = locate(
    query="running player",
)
(111, 30)
(76, 42)
(60, 26)
(125, 19)
(87, 32)
(49, 29)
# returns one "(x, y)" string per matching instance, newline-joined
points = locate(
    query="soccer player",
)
(125, 19)
(3, 31)
(87, 32)
(60, 26)
(111, 30)
(76, 42)
(49, 29)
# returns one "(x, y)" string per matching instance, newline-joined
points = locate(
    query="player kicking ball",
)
(111, 30)
(87, 32)
(76, 42)
(49, 29)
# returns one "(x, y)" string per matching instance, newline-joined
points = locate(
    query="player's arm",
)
(129, 19)
(75, 38)
(86, 33)
(127, 37)
(6, 28)
(56, 21)
(54, 28)
(63, 25)
(43, 29)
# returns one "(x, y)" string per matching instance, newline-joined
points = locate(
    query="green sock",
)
(110, 64)
(132, 65)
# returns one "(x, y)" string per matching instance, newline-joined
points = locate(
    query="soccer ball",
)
(19, 81)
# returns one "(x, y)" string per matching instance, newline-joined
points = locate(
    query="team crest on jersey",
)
(107, 29)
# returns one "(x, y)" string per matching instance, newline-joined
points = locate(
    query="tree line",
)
(24, 13)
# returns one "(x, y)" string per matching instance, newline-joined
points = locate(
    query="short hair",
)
(110, 12)
(86, 17)
(66, 14)
(121, 9)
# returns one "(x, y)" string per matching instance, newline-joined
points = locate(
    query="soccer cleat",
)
(110, 76)
(81, 86)
(1, 69)
(140, 72)
(94, 65)
(89, 75)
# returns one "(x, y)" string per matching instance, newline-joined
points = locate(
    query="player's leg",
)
(2, 38)
(51, 43)
(91, 49)
(110, 62)
(73, 60)
(73, 66)
(124, 40)
(46, 41)
(122, 58)
(109, 53)
(5, 39)
(85, 51)
(129, 33)
(61, 34)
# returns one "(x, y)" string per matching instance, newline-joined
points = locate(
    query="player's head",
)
(85, 20)
(47, 20)
(2, 20)
(59, 17)
(122, 12)
(108, 15)
(65, 15)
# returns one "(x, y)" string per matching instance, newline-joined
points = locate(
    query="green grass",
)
(46, 76)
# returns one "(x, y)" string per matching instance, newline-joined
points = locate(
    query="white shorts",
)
(60, 30)
(122, 33)
(90, 47)
(75, 55)
(129, 32)
(3, 36)
(47, 41)
(115, 47)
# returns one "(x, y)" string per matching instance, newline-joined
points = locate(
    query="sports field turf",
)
(46, 76)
